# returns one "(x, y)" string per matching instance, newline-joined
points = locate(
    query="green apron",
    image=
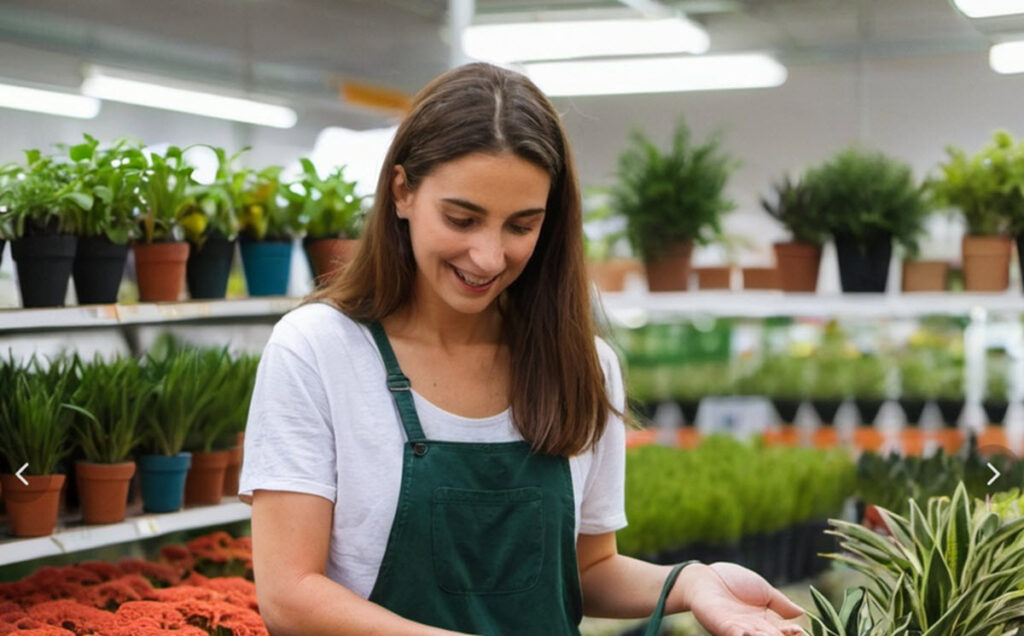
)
(484, 538)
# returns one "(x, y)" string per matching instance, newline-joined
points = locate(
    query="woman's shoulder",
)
(606, 354)
(315, 325)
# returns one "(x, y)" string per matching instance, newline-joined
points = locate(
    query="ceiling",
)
(302, 48)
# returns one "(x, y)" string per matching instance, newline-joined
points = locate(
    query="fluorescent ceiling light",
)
(657, 75)
(519, 42)
(989, 8)
(50, 102)
(131, 91)
(1007, 57)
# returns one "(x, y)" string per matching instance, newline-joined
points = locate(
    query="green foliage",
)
(34, 414)
(265, 216)
(920, 377)
(868, 197)
(854, 617)
(672, 197)
(181, 395)
(214, 207)
(215, 426)
(114, 396)
(113, 176)
(996, 383)
(329, 207)
(725, 489)
(42, 196)
(987, 188)
(166, 196)
(794, 209)
(952, 568)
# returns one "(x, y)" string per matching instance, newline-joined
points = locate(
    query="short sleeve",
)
(603, 507)
(289, 439)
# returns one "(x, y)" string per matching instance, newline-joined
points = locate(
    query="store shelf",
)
(92, 316)
(75, 539)
(628, 307)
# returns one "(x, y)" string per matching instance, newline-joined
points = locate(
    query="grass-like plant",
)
(34, 419)
(181, 395)
(793, 208)
(954, 568)
(114, 396)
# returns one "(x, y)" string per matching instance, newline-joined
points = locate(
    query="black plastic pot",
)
(863, 270)
(869, 408)
(689, 409)
(912, 408)
(44, 267)
(995, 410)
(801, 551)
(782, 553)
(827, 409)
(98, 268)
(786, 408)
(950, 409)
(822, 544)
(209, 267)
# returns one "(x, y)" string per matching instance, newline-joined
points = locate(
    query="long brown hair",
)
(558, 398)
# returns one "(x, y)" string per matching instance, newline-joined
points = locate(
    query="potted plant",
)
(996, 390)
(46, 204)
(181, 395)
(113, 397)
(113, 176)
(332, 214)
(950, 400)
(242, 381)
(604, 237)
(211, 227)
(986, 189)
(34, 421)
(797, 261)
(918, 383)
(671, 200)
(867, 201)
(209, 437)
(161, 253)
(268, 226)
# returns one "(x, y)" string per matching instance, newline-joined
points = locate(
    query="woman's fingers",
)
(778, 603)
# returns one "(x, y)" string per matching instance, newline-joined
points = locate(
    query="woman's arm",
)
(726, 599)
(291, 533)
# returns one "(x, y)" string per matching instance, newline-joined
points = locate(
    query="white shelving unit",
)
(77, 538)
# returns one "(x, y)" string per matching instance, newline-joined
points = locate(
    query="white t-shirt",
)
(323, 422)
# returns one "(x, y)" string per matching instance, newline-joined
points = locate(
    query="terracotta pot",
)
(925, 276)
(714, 277)
(986, 263)
(205, 481)
(687, 437)
(103, 490)
(760, 278)
(786, 435)
(611, 275)
(670, 272)
(160, 270)
(32, 509)
(327, 255)
(868, 438)
(231, 474)
(797, 264)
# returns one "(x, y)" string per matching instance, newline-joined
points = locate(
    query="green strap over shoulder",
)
(399, 385)
(654, 625)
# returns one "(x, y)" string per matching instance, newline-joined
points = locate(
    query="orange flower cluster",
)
(139, 598)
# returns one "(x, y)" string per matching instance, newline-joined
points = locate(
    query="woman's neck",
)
(436, 324)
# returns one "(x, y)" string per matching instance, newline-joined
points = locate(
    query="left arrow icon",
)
(18, 474)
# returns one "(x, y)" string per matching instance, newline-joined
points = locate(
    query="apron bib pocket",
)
(487, 541)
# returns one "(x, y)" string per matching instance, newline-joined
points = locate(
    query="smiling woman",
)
(436, 441)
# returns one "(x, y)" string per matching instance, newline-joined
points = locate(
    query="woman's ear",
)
(400, 191)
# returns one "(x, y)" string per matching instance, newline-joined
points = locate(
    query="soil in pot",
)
(160, 269)
(863, 270)
(925, 276)
(670, 272)
(98, 269)
(103, 490)
(205, 482)
(209, 267)
(44, 266)
(32, 508)
(797, 265)
(986, 263)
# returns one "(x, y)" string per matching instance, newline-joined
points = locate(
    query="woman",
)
(436, 446)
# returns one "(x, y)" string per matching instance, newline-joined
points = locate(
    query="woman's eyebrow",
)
(473, 207)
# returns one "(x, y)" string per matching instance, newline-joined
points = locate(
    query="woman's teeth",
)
(475, 282)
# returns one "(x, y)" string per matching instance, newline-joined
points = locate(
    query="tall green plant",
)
(115, 395)
(34, 421)
(868, 197)
(181, 395)
(793, 208)
(673, 196)
(113, 177)
(166, 196)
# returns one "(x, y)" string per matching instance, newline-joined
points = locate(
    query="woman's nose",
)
(488, 253)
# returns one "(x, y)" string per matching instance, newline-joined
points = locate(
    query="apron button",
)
(419, 449)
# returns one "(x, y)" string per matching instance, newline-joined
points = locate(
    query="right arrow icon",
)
(995, 476)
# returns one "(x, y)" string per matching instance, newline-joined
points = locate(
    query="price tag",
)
(147, 527)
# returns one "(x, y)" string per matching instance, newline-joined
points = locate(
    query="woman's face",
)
(473, 222)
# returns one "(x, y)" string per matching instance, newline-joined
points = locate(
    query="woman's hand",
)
(730, 600)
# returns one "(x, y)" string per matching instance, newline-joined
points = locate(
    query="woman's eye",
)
(459, 222)
(521, 229)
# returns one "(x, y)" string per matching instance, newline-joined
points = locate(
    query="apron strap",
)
(399, 385)
(654, 625)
